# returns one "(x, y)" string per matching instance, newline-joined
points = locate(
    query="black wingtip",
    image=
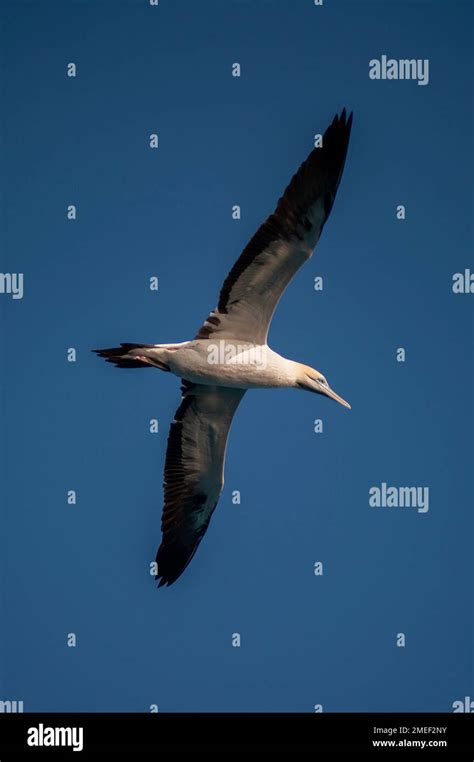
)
(163, 581)
(166, 576)
(119, 357)
(343, 118)
(172, 560)
(339, 130)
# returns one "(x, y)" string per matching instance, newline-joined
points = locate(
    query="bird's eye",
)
(323, 381)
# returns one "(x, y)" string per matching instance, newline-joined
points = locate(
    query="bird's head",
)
(314, 381)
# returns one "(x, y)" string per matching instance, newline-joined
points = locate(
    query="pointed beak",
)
(330, 393)
(314, 385)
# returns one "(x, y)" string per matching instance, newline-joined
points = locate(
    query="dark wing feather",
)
(194, 472)
(282, 244)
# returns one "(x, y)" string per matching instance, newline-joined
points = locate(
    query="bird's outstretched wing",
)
(282, 244)
(194, 472)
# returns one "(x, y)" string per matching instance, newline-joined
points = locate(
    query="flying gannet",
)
(230, 354)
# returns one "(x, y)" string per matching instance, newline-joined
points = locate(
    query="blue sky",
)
(83, 569)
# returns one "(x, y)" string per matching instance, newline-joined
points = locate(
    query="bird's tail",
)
(131, 356)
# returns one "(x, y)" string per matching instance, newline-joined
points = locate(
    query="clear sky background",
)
(84, 569)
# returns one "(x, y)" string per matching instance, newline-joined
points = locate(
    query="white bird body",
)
(230, 353)
(225, 362)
